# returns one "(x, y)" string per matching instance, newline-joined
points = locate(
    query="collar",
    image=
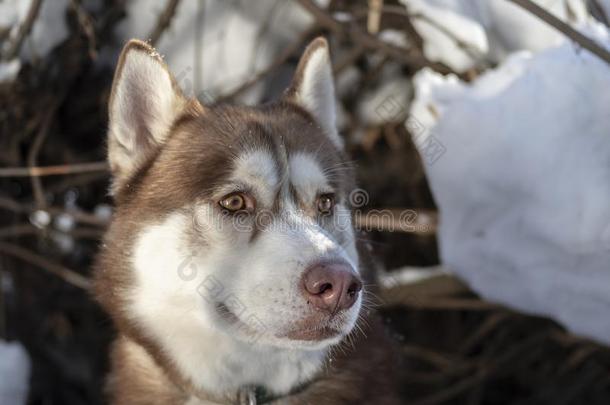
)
(255, 395)
(251, 395)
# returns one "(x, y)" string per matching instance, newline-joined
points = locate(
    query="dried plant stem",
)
(24, 30)
(41, 136)
(163, 21)
(38, 171)
(66, 274)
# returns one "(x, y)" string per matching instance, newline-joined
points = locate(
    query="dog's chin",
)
(315, 332)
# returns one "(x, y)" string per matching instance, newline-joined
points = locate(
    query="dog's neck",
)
(218, 368)
(230, 365)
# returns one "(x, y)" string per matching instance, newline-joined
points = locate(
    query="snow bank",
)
(464, 33)
(524, 184)
(14, 373)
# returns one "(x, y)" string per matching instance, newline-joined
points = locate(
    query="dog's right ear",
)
(144, 103)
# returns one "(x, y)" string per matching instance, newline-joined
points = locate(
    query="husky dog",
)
(231, 268)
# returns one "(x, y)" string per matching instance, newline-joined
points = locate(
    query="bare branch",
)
(374, 16)
(598, 11)
(32, 158)
(564, 28)
(38, 171)
(66, 274)
(87, 25)
(395, 220)
(163, 21)
(24, 30)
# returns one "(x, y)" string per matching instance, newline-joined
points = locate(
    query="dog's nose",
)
(331, 287)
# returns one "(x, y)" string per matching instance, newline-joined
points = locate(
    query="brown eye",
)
(234, 202)
(326, 202)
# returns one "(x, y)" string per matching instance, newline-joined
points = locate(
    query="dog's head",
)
(233, 221)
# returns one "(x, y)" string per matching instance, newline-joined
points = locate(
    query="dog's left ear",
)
(312, 88)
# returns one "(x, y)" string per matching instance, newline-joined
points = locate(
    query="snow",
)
(213, 49)
(40, 219)
(14, 373)
(394, 37)
(386, 102)
(103, 212)
(441, 27)
(409, 275)
(9, 70)
(464, 33)
(524, 186)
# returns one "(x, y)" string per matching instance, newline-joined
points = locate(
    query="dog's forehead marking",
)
(258, 169)
(307, 176)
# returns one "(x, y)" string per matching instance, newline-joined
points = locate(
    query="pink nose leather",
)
(331, 287)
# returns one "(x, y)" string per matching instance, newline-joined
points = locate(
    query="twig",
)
(79, 216)
(352, 56)
(444, 395)
(94, 234)
(440, 361)
(18, 230)
(163, 21)
(76, 180)
(564, 28)
(374, 16)
(483, 330)
(10, 204)
(41, 136)
(66, 274)
(4, 33)
(577, 358)
(453, 304)
(24, 30)
(38, 171)
(394, 220)
(598, 11)
(400, 11)
(87, 25)
(3, 328)
(27, 230)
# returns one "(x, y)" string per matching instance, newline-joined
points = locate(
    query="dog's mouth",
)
(250, 327)
(314, 328)
(314, 334)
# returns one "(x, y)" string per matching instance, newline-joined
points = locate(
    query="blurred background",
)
(480, 129)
